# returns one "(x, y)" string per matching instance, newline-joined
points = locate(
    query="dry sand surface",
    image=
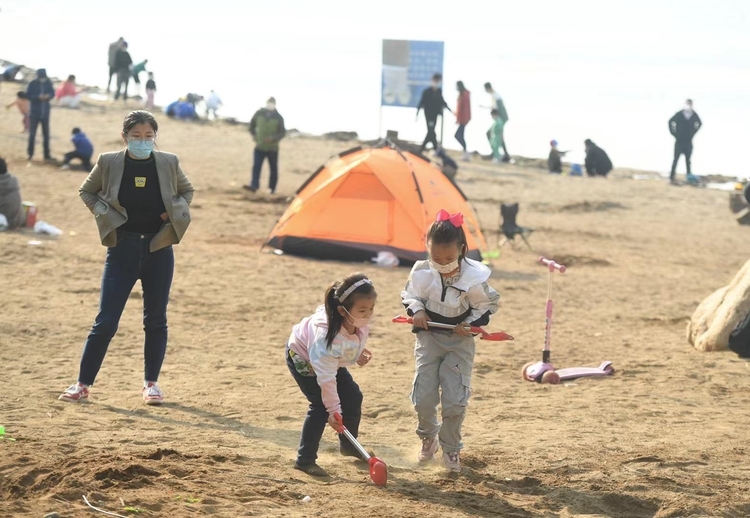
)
(666, 436)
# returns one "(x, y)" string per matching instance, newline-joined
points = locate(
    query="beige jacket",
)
(101, 189)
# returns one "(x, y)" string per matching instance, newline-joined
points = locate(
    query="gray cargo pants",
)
(443, 364)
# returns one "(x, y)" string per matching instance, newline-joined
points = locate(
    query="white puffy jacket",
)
(469, 300)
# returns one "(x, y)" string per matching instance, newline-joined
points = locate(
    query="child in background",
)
(320, 349)
(554, 162)
(496, 136)
(23, 105)
(150, 91)
(83, 150)
(451, 289)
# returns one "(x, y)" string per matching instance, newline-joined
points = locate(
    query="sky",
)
(567, 70)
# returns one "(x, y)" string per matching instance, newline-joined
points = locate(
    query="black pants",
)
(273, 164)
(460, 136)
(85, 160)
(123, 79)
(112, 73)
(431, 135)
(317, 415)
(681, 148)
(34, 122)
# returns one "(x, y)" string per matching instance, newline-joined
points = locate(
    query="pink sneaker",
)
(430, 446)
(77, 393)
(152, 394)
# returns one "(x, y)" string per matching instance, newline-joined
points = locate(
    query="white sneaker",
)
(77, 393)
(152, 394)
(430, 446)
(65, 166)
(452, 462)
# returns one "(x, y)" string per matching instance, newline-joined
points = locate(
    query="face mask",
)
(270, 106)
(358, 322)
(141, 149)
(444, 268)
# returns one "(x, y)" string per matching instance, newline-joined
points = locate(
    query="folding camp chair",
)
(510, 228)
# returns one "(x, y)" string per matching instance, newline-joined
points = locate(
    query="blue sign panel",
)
(408, 67)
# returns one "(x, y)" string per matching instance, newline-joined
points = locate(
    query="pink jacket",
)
(308, 340)
(67, 89)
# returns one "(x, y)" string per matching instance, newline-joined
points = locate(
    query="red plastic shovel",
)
(492, 337)
(378, 469)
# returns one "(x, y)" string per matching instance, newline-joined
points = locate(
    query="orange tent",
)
(364, 201)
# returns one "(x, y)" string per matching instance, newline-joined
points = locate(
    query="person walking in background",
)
(597, 161)
(150, 91)
(499, 105)
(84, 149)
(140, 199)
(432, 103)
(39, 92)
(463, 116)
(683, 126)
(23, 105)
(123, 62)
(267, 129)
(212, 104)
(67, 94)
(136, 71)
(495, 135)
(113, 48)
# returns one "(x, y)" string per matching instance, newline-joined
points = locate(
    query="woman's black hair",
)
(334, 292)
(136, 117)
(445, 233)
(460, 86)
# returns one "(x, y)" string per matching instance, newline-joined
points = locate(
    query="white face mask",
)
(358, 322)
(444, 268)
(270, 106)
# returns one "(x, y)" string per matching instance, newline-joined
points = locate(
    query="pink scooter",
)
(544, 371)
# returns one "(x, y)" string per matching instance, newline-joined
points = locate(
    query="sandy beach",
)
(666, 436)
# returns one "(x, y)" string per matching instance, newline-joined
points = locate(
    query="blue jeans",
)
(460, 136)
(273, 163)
(317, 415)
(128, 261)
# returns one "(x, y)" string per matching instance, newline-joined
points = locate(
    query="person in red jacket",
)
(463, 116)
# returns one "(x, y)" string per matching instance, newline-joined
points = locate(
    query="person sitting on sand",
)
(67, 94)
(23, 105)
(84, 149)
(597, 161)
(11, 205)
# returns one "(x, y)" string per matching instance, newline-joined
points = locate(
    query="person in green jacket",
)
(267, 129)
(136, 71)
(495, 135)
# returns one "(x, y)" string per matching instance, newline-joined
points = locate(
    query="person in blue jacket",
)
(39, 92)
(83, 151)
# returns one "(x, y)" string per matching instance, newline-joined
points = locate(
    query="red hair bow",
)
(456, 219)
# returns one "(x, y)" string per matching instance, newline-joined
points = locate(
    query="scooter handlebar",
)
(552, 265)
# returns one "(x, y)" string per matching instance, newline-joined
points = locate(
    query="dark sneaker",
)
(311, 469)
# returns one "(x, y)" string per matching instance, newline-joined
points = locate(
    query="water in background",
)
(566, 72)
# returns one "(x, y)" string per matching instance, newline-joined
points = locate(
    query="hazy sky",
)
(567, 69)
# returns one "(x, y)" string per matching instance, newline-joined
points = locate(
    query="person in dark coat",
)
(123, 63)
(432, 103)
(597, 161)
(39, 92)
(683, 126)
(554, 161)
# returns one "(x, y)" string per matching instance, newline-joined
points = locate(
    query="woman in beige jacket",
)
(140, 199)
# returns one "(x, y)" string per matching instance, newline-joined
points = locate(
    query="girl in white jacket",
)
(451, 289)
(320, 349)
